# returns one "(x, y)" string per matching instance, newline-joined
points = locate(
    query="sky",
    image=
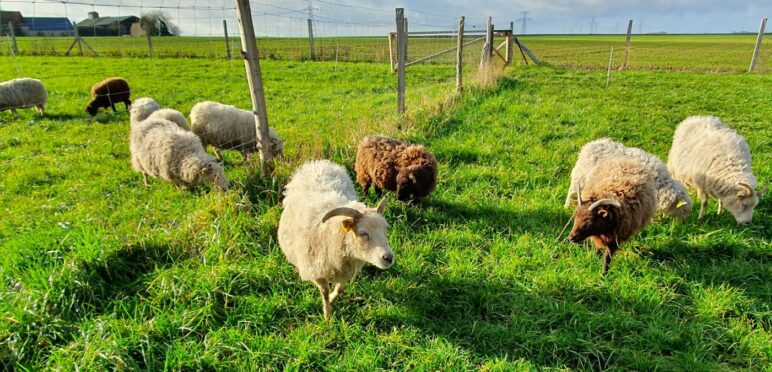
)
(372, 17)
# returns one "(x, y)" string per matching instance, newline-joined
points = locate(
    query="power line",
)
(524, 18)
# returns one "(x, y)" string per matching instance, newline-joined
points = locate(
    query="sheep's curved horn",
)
(604, 202)
(579, 194)
(342, 211)
(381, 206)
(763, 190)
(748, 187)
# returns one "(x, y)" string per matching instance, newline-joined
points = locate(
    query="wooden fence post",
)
(485, 59)
(12, 33)
(460, 55)
(227, 40)
(150, 44)
(401, 59)
(509, 44)
(255, 80)
(392, 63)
(627, 44)
(311, 39)
(758, 45)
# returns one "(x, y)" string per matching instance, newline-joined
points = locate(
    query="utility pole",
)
(593, 26)
(524, 18)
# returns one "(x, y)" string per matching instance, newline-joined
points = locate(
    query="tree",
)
(158, 23)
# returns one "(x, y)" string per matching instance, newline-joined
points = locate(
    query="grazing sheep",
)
(160, 148)
(23, 93)
(225, 127)
(621, 200)
(172, 115)
(393, 165)
(716, 161)
(142, 108)
(107, 92)
(326, 233)
(672, 197)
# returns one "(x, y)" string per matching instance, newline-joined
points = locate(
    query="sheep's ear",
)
(348, 225)
(381, 206)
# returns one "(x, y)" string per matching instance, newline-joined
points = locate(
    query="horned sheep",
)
(619, 200)
(226, 127)
(716, 161)
(107, 93)
(160, 148)
(23, 93)
(326, 233)
(389, 164)
(672, 197)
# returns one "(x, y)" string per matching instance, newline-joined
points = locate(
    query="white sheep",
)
(716, 161)
(225, 127)
(160, 148)
(672, 197)
(326, 233)
(23, 93)
(142, 108)
(172, 115)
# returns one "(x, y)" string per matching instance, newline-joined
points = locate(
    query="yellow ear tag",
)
(680, 204)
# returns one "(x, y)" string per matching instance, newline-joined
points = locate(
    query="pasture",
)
(101, 272)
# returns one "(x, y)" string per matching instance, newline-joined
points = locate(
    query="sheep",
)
(326, 233)
(715, 160)
(672, 197)
(107, 92)
(160, 148)
(225, 127)
(621, 200)
(142, 108)
(23, 93)
(389, 164)
(172, 115)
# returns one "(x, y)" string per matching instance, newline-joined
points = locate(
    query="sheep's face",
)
(92, 110)
(213, 174)
(742, 204)
(369, 239)
(598, 221)
(411, 182)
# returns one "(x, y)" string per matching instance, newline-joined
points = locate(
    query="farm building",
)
(12, 17)
(47, 26)
(95, 25)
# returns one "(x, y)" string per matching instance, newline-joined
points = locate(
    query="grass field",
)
(101, 272)
(702, 53)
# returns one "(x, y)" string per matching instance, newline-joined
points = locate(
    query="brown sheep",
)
(621, 199)
(107, 92)
(388, 164)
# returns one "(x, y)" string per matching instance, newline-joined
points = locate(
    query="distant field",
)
(709, 53)
(99, 272)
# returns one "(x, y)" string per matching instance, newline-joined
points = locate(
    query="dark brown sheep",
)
(621, 199)
(388, 164)
(107, 92)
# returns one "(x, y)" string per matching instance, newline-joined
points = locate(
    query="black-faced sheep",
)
(326, 233)
(23, 93)
(672, 197)
(620, 200)
(225, 127)
(716, 161)
(160, 148)
(388, 164)
(107, 93)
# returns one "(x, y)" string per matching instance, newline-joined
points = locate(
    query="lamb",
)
(160, 148)
(715, 160)
(326, 233)
(389, 164)
(23, 93)
(107, 92)
(621, 200)
(672, 197)
(142, 108)
(225, 127)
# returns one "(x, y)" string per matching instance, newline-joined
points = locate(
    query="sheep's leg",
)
(144, 179)
(217, 154)
(41, 109)
(339, 288)
(719, 208)
(703, 202)
(15, 113)
(610, 250)
(113, 106)
(378, 192)
(324, 289)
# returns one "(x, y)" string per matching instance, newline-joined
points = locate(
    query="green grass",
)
(101, 272)
(703, 53)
